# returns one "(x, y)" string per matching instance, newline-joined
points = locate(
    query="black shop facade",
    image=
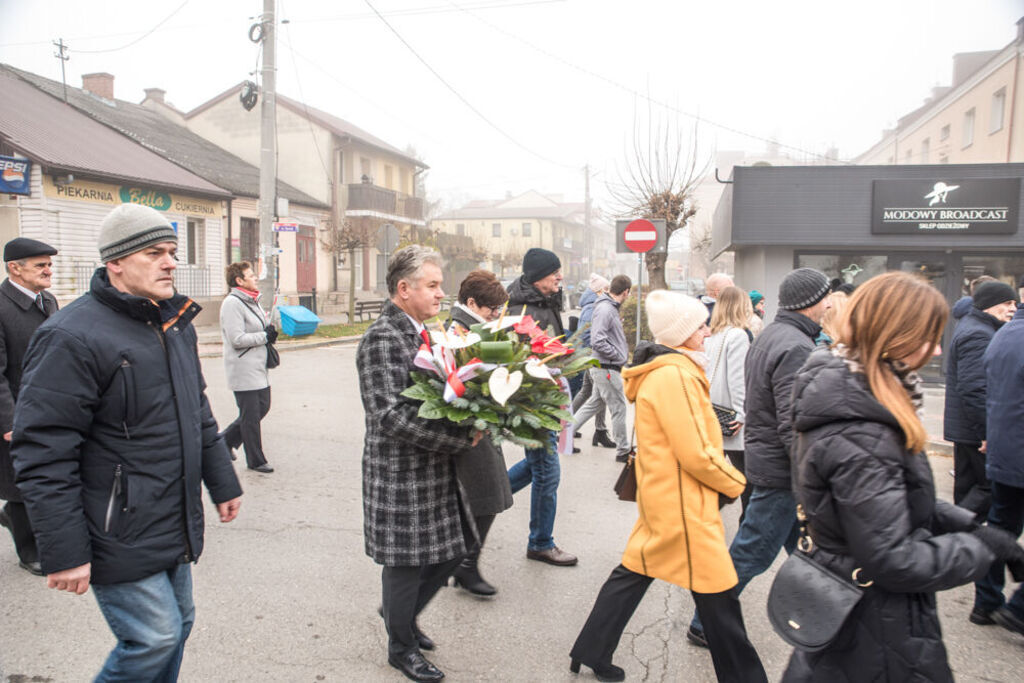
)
(947, 223)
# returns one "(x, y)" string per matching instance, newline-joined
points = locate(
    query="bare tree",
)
(346, 241)
(661, 175)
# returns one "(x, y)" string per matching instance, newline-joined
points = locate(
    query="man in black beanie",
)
(994, 304)
(539, 290)
(776, 354)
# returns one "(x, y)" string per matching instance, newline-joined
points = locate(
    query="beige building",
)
(505, 229)
(979, 118)
(365, 181)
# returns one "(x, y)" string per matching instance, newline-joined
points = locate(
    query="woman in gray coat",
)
(481, 469)
(243, 325)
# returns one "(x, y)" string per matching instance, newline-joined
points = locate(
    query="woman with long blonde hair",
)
(832, 319)
(863, 480)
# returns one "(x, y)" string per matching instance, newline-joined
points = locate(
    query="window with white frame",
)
(944, 132)
(969, 127)
(195, 250)
(460, 228)
(527, 229)
(926, 148)
(495, 229)
(995, 121)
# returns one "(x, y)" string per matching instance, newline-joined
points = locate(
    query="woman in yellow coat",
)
(680, 471)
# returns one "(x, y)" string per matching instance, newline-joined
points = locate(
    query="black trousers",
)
(735, 659)
(406, 591)
(737, 460)
(971, 488)
(483, 525)
(253, 406)
(21, 531)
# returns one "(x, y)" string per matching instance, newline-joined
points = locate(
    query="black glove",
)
(1002, 543)
(271, 334)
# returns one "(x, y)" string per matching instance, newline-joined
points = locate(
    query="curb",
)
(943, 448)
(296, 346)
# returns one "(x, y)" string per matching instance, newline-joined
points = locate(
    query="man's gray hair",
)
(407, 264)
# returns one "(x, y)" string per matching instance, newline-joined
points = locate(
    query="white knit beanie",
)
(673, 316)
(598, 283)
(130, 228)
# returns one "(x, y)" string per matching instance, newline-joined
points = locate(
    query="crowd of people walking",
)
(811, 420)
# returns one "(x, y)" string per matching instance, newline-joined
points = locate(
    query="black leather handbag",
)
(625, 485)
(726, 416)
(808, 604)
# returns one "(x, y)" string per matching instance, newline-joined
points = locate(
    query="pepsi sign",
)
(15, 175)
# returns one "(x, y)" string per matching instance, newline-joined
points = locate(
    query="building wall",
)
(1006, 73)
(512, 244)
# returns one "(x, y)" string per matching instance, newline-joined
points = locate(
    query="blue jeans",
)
(151, 618)
(540, 468)
(1005, 512)
(769, 524)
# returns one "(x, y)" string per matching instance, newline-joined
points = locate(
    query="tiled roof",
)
(62, 138)
(329, 121)
(169, 140)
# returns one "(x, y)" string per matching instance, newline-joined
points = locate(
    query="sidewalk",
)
(211, 343)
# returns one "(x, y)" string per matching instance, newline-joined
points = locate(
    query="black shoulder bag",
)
(273, 356)
(725, 416)
(808, 604)
(625, 485)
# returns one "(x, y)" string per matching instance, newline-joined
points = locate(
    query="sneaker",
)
(981, 617)
(1008, 620)
(696, 637)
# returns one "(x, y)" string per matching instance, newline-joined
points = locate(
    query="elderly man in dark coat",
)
(24, 305)
(414, 521)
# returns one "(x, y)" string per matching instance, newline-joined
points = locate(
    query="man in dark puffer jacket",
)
(113, 436)
(964, 419)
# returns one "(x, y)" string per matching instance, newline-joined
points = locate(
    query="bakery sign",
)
(977, 206)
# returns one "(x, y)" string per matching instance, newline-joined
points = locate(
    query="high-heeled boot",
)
(602, 672)
(467, 575)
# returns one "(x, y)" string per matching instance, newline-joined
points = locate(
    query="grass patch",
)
(334, 331)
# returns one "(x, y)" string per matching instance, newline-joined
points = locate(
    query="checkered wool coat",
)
(412, 510)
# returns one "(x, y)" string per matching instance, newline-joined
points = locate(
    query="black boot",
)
(468, 576)
(601, 438)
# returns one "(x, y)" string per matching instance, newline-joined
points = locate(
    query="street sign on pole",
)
(640, 236)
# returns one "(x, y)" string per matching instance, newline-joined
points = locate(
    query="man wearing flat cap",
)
(539, 290)
(113, 439)
(24, 305)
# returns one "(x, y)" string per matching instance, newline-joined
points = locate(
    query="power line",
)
(140, 38)
(457, 94)
(593, 74)
(432, 9)
(302, 101)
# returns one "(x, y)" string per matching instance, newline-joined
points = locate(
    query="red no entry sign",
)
(640, 236)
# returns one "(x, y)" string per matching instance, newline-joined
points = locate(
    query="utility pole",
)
(63, 58)
(588, 240)
(268, 158)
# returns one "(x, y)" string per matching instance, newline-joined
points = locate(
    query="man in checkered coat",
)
(414, 520)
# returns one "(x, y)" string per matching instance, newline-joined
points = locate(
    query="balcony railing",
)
(366, 197)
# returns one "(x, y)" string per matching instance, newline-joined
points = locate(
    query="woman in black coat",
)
(865, 484)
(481, 469)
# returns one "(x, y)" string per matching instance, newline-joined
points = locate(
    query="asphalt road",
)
(285, 593)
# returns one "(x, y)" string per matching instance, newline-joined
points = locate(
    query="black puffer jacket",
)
(772, 361)
(546, 310)
(113, 435)
(871, 504)
(964, 417)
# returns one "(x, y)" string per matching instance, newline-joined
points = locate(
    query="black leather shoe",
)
(575, 450)
(264, 468)
(5, 521)
(467, 576)
(696, 637)
(981, 617)
(601, 438)
(425, 641)
(602, 672)
(577, 435)
(622, 457)
(1008, 620)
(553, 555)
(416, 667)
(31, 567)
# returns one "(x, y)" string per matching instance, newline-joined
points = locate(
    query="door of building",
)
(937, 268)
(249, 240)
(305, 259)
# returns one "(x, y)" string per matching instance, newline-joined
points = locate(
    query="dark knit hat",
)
(539, 263)
(130, 228)
(23, 247)
(989, 294)
(803, 288)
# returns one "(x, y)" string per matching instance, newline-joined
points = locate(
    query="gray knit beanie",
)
(131, 227)
(803, 288)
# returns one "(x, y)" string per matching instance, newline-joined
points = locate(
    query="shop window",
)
(527, 229)
(996, 115)
(495, 229)
(853, 268)
(1006, 269)
(195, 242)
(460, 228)
(969, 127)
(926, 145)
(944, 133)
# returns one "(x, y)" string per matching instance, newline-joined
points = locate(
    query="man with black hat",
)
(539, 290)
(993, 305)
(775, 355)
(24, 305)
(113, 439)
